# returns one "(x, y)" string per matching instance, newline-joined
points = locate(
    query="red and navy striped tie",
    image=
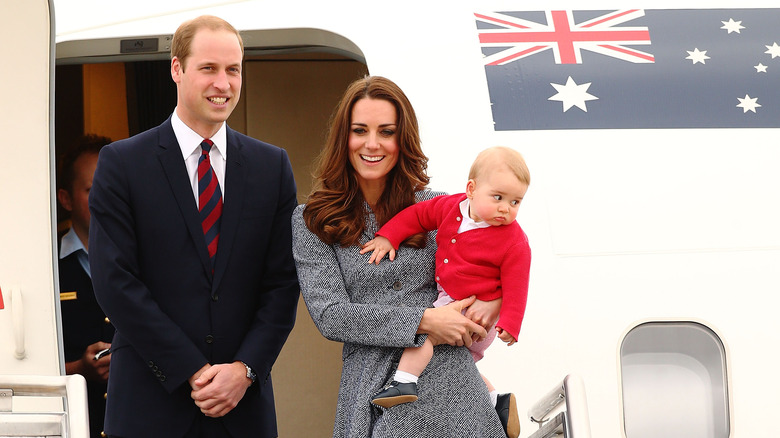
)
(209, 200)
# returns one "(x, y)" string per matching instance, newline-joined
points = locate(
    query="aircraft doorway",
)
(287, 98)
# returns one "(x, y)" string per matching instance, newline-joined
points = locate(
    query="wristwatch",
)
(249, 373)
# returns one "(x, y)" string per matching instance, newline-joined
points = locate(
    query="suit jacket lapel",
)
(169, 154)
(231, 209)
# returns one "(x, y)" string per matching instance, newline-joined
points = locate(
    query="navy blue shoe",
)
(506, 406)
(395, 393)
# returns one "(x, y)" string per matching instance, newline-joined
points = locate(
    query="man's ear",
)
(64, 197)
(176, 69)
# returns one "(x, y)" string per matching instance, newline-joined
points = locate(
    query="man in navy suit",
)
(196, 336)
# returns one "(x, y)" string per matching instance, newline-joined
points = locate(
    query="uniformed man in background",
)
(86, 331)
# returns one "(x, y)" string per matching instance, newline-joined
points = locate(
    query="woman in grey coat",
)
(371, 168)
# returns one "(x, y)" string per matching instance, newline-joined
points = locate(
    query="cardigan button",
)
(457, 218)
(453, 240)
(446, 260)
(398, 285)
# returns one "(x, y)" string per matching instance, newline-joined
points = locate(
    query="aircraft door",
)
(29, 310)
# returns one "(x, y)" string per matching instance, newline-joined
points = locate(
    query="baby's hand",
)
(505, 336)
(380, 247)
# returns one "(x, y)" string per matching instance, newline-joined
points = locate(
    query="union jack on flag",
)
(565, 37)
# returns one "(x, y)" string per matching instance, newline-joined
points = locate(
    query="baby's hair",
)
(497, 156)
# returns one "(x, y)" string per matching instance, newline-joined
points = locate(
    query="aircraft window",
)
(674, 381)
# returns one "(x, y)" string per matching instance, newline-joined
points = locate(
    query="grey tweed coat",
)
(375, 311)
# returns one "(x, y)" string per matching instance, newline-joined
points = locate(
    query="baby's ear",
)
(470, 187)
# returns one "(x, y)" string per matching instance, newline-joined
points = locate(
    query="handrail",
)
(539, 411)
(574, 420)
(17, 316)
(72, 388)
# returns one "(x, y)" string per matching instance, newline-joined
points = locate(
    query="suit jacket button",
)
(215, 298)
(106, 320)
(158, 373)
(103, 434)
(209, 339)
(162, 379)
(105, 396)
(151, 364)
(398, 285)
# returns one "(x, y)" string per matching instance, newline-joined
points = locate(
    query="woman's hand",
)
(484, 313)
(447, 325)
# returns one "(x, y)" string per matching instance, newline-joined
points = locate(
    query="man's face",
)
(209, 81)
(77, 199)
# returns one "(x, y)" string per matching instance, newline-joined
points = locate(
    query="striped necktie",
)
(209, 200)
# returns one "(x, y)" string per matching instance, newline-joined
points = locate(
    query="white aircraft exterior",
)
(654, 277)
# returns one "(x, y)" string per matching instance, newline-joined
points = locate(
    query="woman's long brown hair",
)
(334, 210)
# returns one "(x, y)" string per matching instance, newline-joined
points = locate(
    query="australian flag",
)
(634, 68)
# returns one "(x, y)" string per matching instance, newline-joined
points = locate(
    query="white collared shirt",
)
(468, 223)
(189, 142)
(71, 243)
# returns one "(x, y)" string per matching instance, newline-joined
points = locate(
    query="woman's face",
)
(373, 143)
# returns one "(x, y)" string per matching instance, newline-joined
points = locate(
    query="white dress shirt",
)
(189, 142)
(468, 223)
(71, 243)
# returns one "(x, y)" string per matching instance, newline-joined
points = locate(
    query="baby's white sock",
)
(404, 377)
(494, 397)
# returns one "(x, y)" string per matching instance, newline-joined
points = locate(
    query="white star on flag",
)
(697, 56)
(748, 104)
(732, 26)
(774, 50)
(760, 68)
(572, 94)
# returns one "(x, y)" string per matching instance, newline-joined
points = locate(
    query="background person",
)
(371, 168)
(202, 299)
(86, 330)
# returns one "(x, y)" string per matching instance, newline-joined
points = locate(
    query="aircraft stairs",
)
(562, 412)
(70, 422)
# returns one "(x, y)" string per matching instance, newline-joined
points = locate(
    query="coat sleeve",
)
(334, 314)
(275, 316)
(514, 286)
(113, 256)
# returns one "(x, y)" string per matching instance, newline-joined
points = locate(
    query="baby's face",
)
(496, 197)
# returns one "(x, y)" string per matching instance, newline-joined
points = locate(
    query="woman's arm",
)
(378, 323)
(332, 310)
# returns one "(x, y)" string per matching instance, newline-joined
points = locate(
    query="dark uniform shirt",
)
(83, 324)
